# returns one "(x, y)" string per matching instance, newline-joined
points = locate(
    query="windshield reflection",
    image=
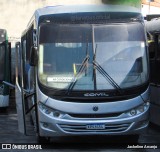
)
(120, 52)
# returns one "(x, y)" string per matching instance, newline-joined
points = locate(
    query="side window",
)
(24, 50)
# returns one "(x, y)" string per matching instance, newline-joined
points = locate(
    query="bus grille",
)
(95, 115)
(83, 129)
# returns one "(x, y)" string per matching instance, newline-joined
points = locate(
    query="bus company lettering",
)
(101, 94)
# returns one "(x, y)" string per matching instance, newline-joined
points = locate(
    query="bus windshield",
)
(83, 54)
(2, 61)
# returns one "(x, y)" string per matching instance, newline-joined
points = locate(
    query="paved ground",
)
(9, 134)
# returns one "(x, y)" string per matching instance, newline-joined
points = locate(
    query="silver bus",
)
(83, 70)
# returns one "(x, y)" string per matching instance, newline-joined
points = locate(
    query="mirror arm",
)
(9, 84)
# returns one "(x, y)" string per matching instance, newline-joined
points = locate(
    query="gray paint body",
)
(68, 124)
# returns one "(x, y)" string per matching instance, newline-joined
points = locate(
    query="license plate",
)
(95, 126)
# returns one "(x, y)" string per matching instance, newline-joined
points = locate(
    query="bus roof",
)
(84, 8)
(62, 9)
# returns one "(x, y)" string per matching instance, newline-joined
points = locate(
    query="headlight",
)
(138, 110)
(133, 112)
(50, 111)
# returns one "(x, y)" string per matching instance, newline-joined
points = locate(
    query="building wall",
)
(150, 8)
(146, 9)
(15, 14)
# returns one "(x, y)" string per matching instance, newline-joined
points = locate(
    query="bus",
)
(83, 70)
(153, 31)
(5, 64)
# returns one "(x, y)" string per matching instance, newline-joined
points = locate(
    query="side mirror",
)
(33, 56)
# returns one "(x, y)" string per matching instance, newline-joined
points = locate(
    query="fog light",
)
(47, 111)
(45, 125)
(56, 114)
(133, 112)
(141, 109)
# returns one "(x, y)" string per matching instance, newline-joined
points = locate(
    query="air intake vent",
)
(95, 115)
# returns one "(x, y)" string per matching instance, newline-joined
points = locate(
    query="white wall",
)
(150, 10)
(15, 14)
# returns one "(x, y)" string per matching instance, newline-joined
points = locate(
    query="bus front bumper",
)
(67, 125)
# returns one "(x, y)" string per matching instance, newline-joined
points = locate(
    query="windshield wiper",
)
(100, 69)
(107, 76)
(80, 71)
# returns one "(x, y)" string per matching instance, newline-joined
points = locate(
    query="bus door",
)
(154, 54)
(23, 110)
(19, 94)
